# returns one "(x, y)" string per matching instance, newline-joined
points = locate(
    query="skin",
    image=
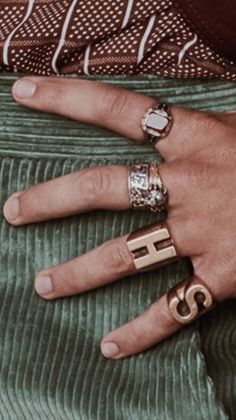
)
(199, 173)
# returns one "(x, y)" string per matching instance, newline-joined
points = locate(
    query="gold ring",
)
(152, 246)
(189, 299)
(146, 189)
(157, 123)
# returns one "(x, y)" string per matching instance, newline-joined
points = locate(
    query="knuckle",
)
(119, 103)
(103, 176)
(96, 183)
(115, 103)
(120, 260)
(161, 316)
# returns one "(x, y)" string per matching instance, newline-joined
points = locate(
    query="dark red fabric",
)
(215, 20)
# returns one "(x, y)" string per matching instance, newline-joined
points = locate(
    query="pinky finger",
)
(149, 328)
(182, 305)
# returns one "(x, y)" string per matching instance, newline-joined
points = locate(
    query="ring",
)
(151, 246)
(189, 299)
(157, 123)
(146, 190)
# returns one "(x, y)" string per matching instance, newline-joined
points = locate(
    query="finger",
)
(88, 189)
(98, 267)
(102, 104)
(108, 262)
(148, 329)
(182, 305)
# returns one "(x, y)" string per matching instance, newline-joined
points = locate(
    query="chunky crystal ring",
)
(151, 246)
(146, 190)
(156, 123)
(189, 299)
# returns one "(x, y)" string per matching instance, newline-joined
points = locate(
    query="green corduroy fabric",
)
(50, 361)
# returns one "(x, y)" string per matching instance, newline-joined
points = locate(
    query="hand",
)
(199, 173)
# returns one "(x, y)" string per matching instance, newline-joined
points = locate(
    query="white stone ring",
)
(146, 190)
(157, 123)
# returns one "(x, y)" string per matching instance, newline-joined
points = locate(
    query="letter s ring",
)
(189, 299)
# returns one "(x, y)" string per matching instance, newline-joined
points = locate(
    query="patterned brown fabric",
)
(104, 37)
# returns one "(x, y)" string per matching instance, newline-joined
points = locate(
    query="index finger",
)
(101, 104)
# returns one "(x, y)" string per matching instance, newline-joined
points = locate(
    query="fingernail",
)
(43, 285)
(12, 208)
(110, 349)
(24, 88)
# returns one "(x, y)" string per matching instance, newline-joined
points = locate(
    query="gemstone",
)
(156, 198)
(156, 121)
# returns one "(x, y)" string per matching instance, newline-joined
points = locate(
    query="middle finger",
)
(85, 190)
(80, 191)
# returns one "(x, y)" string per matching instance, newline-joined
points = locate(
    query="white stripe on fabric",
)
(63, 36)
(86, 59)
(186, 48)
(127, 13)
(145, 38)
(8, 40)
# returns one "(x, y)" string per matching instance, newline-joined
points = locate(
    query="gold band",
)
(151, 246)
(146, 189)
(189, 299)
